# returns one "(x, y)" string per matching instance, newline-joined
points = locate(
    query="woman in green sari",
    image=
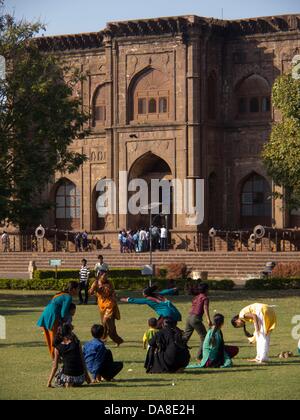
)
(215, 353)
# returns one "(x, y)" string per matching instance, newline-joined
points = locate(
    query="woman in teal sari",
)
(215, 353)
(55, 313)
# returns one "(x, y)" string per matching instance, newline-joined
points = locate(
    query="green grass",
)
(25, 363)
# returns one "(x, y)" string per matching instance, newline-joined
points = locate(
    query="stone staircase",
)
(237, 266)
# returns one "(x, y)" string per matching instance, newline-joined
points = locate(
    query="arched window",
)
(150, 96)
(212, 96)
(253, 97)
(254, 105)
(163, 105)
(152, 106)
(67, 203)
(256, 203)
(99, 107)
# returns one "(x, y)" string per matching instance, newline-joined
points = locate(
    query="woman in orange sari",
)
(55, 313)
(108, 307)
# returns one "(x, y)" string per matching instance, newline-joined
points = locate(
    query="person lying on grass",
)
(98, 359)
(264, 319)
(159, 303)
(68, 349)
(215, 353)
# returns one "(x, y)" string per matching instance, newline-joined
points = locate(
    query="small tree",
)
(281, 154)
(39, 119)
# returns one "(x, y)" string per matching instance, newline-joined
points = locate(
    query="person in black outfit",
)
(168, 352)
(68, 348)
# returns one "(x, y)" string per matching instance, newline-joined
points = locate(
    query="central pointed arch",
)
(149, 167)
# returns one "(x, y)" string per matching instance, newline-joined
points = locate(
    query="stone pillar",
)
(193, 113)
(110, 54)
(193, 105)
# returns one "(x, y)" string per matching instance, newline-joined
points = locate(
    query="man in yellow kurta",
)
(264, 319)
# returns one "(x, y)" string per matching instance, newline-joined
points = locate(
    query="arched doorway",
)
(256, 202)
(147, 168)
(98, 223)
(214, 201)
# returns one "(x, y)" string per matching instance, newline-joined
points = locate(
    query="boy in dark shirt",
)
(200, 306)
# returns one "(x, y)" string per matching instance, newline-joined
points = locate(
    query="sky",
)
(76, 16)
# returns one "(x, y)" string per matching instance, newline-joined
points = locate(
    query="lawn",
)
(25, 364)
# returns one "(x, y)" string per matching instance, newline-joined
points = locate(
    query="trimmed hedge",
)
(21, 284)
(126, 283)
(71, 273)
(273, 284)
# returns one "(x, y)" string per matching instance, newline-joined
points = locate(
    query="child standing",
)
(150, 333)
(84, 282)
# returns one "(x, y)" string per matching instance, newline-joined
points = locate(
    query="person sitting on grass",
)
(168, 352)
(99, 360)
(215, 353)
(264, 319)
(150, 333)
(68, 349)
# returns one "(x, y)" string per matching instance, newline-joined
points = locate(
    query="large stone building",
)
(179, 97)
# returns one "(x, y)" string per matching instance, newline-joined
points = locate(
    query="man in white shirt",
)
(5, 242)
(142, 240)
(100, 266)
(163, 239)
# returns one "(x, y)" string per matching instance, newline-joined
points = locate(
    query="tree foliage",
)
(281, 154)
(39, 119)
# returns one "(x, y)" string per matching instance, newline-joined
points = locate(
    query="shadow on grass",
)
(224, 296)
(32, 344)
(16, 312)
(284, 362)
(140, 382)
(235, 369)
(25, 300)
(131, 362)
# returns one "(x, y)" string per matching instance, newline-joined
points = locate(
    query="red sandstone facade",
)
(177, 97)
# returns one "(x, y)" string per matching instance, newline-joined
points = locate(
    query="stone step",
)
(234, 265)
